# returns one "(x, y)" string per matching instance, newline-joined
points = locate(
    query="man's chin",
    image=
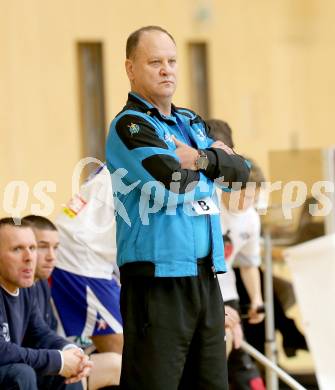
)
(166, 95)
(43, 275)
(168, 89)
(26, 283)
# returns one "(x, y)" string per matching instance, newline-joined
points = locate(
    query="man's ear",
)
(129, 68)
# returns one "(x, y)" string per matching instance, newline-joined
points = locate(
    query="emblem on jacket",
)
(168, 138)
(4, 331)
(134, 128)
(201, 134)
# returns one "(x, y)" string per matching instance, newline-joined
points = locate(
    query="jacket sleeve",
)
(134, 144)
(39, 336)
(38, 333)
(44, 361)
(227, 168)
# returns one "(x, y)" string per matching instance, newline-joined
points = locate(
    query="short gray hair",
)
(134, 37)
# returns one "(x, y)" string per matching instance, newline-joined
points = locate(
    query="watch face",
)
(202, 162)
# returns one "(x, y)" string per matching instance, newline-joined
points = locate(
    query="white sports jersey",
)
(241, 234)
(87, 230)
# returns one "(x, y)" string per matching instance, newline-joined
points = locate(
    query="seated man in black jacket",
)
(32, 356)
(107, 365)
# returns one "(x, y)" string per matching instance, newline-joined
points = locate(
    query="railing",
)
(272, 371)
(278, 372)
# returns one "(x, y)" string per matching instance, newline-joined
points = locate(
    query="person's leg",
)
(89, 307)
(206, 365)
(284, 291)
(56, 382)
(17, 377)
(242, 370)
(159, 316)
(106, 370)
(253, 333)
(105, 299)
(293, 339)
(69, 296)
(108, 342)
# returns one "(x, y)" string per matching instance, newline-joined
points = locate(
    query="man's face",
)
(17, 257)
(152, 70)
(47, 245)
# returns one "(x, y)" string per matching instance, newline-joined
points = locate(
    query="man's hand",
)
(71, 362)
(232, 322)
(186, 154)
(85, 370)
(255, 315)
(223, 146)
(75, 365)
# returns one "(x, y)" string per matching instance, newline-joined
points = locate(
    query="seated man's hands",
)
(76, 365)
(85, 369)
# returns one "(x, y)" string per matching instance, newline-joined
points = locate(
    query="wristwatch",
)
(201, 163)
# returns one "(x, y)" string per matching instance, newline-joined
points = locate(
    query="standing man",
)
(169, 243)
(31, 355)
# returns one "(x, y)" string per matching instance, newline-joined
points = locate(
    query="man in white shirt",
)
(85, 289)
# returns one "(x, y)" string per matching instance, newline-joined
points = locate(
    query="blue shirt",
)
(152, 225)
(24, 336)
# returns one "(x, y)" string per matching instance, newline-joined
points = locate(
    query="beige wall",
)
(271, 74)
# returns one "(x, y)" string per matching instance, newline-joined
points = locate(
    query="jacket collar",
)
(144, 106)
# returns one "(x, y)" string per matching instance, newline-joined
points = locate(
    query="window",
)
(199, 79)
(92, 105)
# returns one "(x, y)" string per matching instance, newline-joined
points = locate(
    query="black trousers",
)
(255, 333)
(174, 336)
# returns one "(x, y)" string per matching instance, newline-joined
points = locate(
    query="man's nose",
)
(165, 68)
(163, 71)
(51, 255)
(29, 255)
